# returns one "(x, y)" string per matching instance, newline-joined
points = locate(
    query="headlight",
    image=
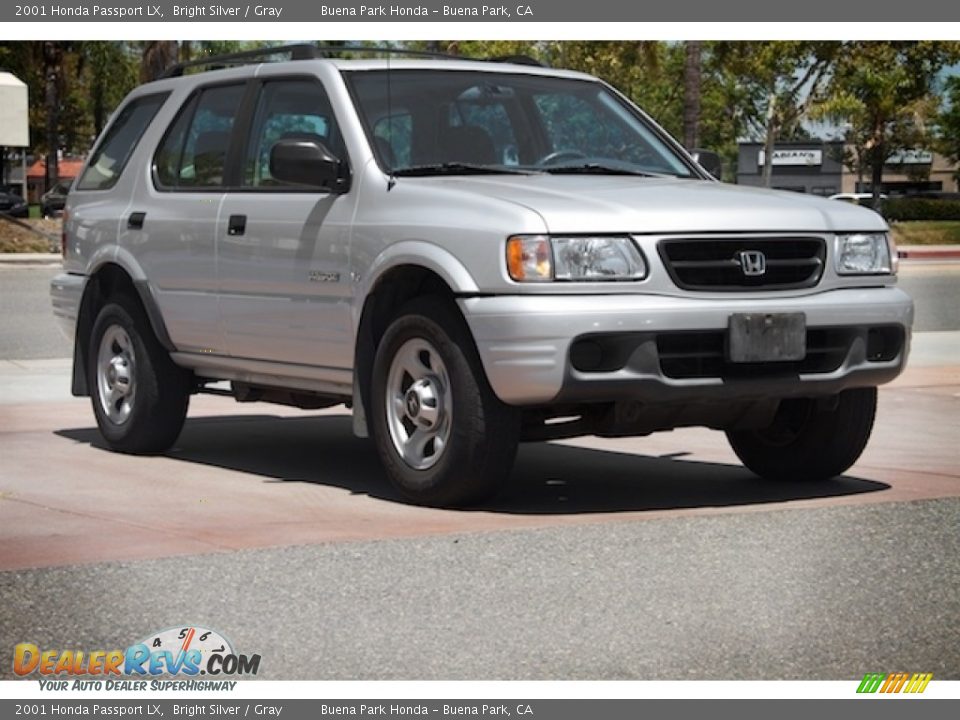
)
(864, 254)
(538, 258)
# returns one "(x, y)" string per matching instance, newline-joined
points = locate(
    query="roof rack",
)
(305, 51)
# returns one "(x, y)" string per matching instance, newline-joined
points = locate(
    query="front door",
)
(282, 250)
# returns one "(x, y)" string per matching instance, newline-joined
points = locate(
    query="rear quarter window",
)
(193, 153)
(114, 150)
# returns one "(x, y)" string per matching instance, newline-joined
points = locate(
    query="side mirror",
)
(305, 162)
(709, 161)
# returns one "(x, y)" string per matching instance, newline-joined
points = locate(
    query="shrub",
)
(903, 209)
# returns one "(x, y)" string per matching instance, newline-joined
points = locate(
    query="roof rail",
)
(305, 51)
(518, 60)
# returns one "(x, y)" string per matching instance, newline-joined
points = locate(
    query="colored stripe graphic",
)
(894, 682)
(871, 682)
(918, 683)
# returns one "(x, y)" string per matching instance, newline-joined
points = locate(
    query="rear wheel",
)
(810, 439)
(443, 436)
(139, 395)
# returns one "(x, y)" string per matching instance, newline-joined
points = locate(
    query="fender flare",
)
(420, 253)
(90, 301)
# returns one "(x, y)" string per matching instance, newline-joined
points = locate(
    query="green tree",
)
(110, 72)
(885, 93)
(948, 125)
(778, 81)
(158, 56)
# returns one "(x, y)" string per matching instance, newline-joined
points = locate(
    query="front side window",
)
(393, 137)
(457, 121)
(288, 109)
(113, 152)
(193, 153)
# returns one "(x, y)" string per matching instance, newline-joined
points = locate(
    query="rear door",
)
(171, 225)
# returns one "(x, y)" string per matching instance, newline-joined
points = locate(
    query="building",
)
(67, 169)
(14, 125)
(817, 167)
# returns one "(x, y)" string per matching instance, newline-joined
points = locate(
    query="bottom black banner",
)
(873, 708)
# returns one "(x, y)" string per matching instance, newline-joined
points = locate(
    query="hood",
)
(637, 205)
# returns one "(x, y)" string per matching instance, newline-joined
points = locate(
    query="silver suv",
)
(468, 254)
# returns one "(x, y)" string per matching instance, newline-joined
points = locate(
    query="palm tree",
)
(158, 55)
(691, 94)
(53, 87)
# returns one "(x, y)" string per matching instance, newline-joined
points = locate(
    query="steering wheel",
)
(552, 158)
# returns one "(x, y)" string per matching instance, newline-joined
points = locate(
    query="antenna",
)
(392, 180)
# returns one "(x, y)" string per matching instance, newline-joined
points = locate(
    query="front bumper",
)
(524, 343)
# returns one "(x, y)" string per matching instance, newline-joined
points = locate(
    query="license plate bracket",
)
(766, 337)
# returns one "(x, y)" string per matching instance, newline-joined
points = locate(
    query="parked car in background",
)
(863, 199)
(13, 205)
(52, 201)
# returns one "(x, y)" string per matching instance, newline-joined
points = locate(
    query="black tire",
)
(479, 450)
(153, 412)
(810, 439)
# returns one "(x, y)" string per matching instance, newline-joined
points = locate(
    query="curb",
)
(30, 258)
(921, 253)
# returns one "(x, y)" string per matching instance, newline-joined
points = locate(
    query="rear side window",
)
(113, 152)
(193, 153)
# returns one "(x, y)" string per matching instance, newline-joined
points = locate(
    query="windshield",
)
(459, 122)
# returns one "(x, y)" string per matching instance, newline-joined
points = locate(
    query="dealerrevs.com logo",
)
(188, 652)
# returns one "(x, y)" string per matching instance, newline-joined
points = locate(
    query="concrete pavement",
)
(247, 476)
(30, 258)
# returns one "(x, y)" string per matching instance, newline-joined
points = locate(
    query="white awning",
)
(14, 109)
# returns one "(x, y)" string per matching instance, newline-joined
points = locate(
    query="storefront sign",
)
(911, 157)
(792, 157)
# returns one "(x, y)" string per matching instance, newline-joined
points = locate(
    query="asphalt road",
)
(935, 288)
(653, 558)
(796, 594)
(27, 328)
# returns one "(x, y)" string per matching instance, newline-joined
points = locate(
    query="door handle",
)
(237, 225)
(135, 221)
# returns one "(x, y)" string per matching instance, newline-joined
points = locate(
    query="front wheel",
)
(810, 439)
(442, 435)
(139, 396)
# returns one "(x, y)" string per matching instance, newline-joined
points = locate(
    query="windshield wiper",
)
(593, 168)
(457, 168)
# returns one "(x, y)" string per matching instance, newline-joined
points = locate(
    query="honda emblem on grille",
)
(752, 262)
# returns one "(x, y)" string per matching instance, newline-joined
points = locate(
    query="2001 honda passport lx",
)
(469, 254)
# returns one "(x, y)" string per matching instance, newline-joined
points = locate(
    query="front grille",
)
(713, 264)
(688, 355)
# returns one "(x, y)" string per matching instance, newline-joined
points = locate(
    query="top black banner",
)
(300, 11)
